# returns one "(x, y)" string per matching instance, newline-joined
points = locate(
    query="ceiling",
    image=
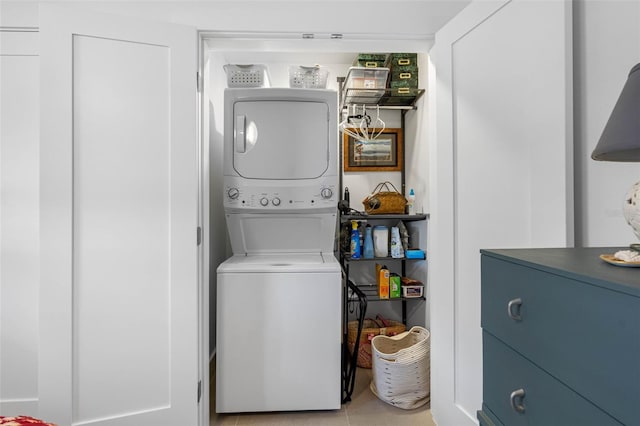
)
(354, 19)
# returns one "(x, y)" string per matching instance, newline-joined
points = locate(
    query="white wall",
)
(606, 46)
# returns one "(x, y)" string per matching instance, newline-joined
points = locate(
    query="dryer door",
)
(281, 139)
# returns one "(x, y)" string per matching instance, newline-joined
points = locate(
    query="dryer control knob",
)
(233, 193)
(264, 201)
(326, 193)
(275, 201)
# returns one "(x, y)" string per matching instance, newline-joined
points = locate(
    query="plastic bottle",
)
(355, 240)
(381, 241)
(368, 243)
(396, 245)
(344, 204)
(383, 283)
(411, 202)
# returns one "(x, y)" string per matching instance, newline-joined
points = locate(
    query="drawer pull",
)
(516, 400)
(513, 309)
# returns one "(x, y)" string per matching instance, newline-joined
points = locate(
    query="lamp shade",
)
(620, 140)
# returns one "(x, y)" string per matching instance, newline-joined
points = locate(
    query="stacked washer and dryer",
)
(279, 295)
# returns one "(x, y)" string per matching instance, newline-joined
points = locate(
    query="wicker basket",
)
(370, 329)
(401, 372)
(385, 200)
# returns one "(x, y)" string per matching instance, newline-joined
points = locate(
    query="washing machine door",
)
(281, 139)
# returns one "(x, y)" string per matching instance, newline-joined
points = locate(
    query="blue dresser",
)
(561, 338)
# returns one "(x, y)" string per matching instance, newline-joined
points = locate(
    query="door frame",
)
(209, 41)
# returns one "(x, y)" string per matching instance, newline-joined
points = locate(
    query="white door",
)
(501, 168)
(119, 317)
(19, 263)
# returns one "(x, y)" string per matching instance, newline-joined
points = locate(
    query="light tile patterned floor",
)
(364, 409)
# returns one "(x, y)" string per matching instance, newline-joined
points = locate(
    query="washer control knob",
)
(264, 201)
(233, 193)
(275, 201)
(326, 193)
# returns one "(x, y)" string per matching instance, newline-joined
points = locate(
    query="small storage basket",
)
(401, 372)
(246, 75)
(370, 329)
(308, 77)
(385, 199)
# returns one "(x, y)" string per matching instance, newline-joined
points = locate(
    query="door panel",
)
(19, 241)
(122, 223)
(503, 168)
(119, 313)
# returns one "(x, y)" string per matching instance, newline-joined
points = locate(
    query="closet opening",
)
(336, 52)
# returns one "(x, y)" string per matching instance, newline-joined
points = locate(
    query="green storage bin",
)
(404, 69)
(400, 97)
(403, 59)
(404, 74)
(411, 83)
(371, 60)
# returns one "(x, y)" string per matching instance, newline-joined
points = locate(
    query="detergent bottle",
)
(355, 240)
(368, 243)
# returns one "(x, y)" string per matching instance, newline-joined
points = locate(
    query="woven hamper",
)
(370, 329)
(401, 372)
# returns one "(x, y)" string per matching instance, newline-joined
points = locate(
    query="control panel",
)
(266, 198)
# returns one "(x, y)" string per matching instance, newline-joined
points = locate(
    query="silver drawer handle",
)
(516, 400)
(513, 309)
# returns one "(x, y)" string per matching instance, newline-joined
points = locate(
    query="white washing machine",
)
(278, 303)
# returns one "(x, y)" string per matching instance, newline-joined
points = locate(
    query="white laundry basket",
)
(401, 372)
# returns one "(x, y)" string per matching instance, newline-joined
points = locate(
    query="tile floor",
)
(364, 409)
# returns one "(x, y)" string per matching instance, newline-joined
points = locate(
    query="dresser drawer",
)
(586, 336)
(546, 401)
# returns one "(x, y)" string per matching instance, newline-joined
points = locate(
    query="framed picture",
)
(383, 154)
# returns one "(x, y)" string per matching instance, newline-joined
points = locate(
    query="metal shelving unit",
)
(370, 290)
(355, 297)
(383, 98)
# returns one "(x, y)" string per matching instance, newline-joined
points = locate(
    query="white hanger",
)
(365, 131)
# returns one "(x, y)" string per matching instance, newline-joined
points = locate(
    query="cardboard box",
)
(410, 291)
(383, 283)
